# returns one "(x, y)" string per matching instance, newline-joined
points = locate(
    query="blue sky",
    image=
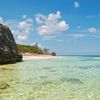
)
(68, 27)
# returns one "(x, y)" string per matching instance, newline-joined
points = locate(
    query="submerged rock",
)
(72, 80)
(8, 49)
(4, 85)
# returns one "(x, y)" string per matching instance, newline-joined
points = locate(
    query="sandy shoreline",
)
(37, 56)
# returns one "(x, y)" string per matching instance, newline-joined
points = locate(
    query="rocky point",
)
(8, 48)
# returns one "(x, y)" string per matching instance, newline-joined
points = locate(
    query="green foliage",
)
(30, 49)
(46, 50)
(34, 49)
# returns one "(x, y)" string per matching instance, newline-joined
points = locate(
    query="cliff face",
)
(8, 49)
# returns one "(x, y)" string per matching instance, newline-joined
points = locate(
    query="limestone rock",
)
(8, 49)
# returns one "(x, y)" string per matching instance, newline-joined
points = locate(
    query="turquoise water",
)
(62, 78)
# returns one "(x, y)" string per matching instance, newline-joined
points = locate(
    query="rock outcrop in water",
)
(8, 49)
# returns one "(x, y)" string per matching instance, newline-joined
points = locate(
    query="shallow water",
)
(63, 78)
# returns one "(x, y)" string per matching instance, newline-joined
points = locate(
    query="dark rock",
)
(8, 49)
(72, 80)
(53, 54)
(4, 85)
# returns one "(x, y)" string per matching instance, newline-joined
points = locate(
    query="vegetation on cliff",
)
(34, 49)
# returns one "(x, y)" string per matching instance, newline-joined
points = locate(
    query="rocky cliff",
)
(8, 49)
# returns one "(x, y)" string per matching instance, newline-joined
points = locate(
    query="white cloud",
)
(23, 28)
(20, 28)
(76, 4)
(40, 18)
(92, 30)
(22, 37)
(24, 16)
(51, 24)
(40, 45)
(76, 35)
(2, 21)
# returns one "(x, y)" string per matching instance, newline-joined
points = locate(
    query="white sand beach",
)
(28, 56)
(37, 57)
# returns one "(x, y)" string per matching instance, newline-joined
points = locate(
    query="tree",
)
(46, 50)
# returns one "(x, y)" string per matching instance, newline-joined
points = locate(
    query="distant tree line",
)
(34, 49)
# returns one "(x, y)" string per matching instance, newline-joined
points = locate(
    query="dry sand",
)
(28, 56)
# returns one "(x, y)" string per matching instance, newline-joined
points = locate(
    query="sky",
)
(68, 27)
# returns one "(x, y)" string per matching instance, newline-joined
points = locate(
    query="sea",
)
(58, 78)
